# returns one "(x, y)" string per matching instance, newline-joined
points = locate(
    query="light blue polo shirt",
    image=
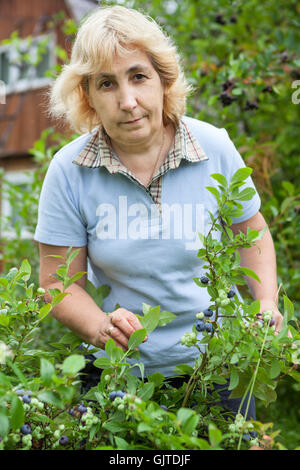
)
(144, 255)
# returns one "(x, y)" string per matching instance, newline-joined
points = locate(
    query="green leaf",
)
(17, 413)
(47, 371)
(184, 369)
(190, 424)
(144, 427)
(102, 363)
(215, 435)
(115, 353)
(136, 338)
(71, 339)
(58, 298)
(234, 379)
(165, 318)
(245, 195)
(146, 392)
(44, 310)
(25, 268)
(72, 256)
(275, 368)
(288, 310)
(214, 191)
(74, 278)
(150, 320)
(4, 320)
(240, 175)
(4, 425)
(17, 372)
(157, 378)
(113, 426)
(73, 364)
(248, 272)
(121, 443)
(52, 398)
(220, 178)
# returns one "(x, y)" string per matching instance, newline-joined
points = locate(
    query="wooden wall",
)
(29, 17)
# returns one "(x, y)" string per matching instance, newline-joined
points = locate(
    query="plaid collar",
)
(98, 153)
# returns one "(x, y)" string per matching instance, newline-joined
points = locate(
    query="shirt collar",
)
(98, 152)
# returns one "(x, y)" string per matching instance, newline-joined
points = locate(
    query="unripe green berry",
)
(222, 294)
(200, 315)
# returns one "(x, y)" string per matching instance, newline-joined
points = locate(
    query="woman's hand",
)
(269, 305)
(118, 325)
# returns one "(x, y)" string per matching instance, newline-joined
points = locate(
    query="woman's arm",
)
(261, 258)
(78, 311)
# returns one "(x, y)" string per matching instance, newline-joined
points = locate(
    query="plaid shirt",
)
(98, 153)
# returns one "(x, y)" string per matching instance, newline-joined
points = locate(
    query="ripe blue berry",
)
(82, 409)
(120, 393)
(64, 440)
(200, 325)
(112, 395)
(26, 399)
(209, 327)
(272, 322)
(164, 407)
(231, 294)
(204, 279)
(208, 312)
(25, 429)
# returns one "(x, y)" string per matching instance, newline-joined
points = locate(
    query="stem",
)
(252, 382)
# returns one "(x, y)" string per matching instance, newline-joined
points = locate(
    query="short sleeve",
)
(251, 207)
(59, 220)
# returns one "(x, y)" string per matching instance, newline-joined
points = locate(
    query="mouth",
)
(134, 121)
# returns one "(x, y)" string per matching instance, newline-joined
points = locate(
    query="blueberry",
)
(71, 412)
(164, 407)
(64, 440)
(209, 328)
(81, 408)
(272, 322)
(231, 294)
(204, 279)
(200, 325)
(112, 395)
(26, 399)
(120, 394)
(208, 312)
(25, 429)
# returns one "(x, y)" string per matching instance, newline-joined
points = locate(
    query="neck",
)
(142, 156)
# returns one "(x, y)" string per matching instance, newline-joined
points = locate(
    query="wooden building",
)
(36, 29)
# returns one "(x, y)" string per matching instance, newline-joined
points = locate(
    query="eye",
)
(106, 84)
(139, 77)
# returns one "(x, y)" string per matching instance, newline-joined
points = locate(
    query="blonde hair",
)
(106, 32)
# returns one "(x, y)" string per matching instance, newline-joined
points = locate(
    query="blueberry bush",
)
(242, 59)
(41, 402)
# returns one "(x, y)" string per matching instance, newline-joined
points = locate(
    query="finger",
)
(106, 337)
(123, 324)
(136, 324)
(117, 335)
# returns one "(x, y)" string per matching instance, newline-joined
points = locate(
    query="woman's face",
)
(128, 98)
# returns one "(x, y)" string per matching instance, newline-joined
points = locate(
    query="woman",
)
(131, 191)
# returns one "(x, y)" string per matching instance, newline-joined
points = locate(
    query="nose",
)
(127, 98)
